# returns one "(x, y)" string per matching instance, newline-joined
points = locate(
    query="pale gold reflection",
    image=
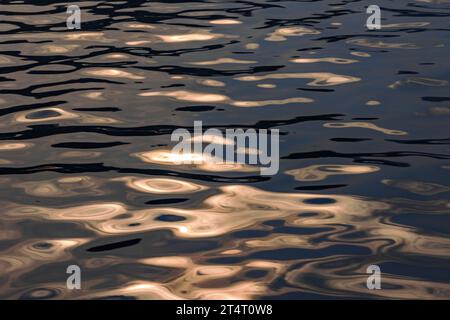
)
(211, 83)
(247, 104)
(5, 60)
(140, 26)
(231, 252)
(222, 141)
(281, 34)
(365, 125)
(209, 138)
(171, 262)
(145, 290)
(51, 114)
(189, 37)
(137, 42)
(68, 36)
(161, 185)
(360, 54)
(193, 160)
(266, 85)
(283, 241)
(86, 213)
(199, 281)
(11, 146)
(62, 187)
(321, 172)
(417, 187)
(395, 85)
(56, 49)
(222, 61)
(236, 207)
(183, 95)
(87, 36)
(373, 103)
(54, 114)
(96, 95)
(320, 78)
(117, 56)
(113, 73)
(225, 21)
(252, 46)
(31, 254)
(330, 60)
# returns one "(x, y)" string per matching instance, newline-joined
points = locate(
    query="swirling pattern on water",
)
(87, 176)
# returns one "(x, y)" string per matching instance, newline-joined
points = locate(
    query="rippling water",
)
(87, 177)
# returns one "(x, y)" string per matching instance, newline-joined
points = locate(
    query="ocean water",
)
(88, 178)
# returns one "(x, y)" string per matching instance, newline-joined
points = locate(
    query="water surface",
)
(87, 177)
